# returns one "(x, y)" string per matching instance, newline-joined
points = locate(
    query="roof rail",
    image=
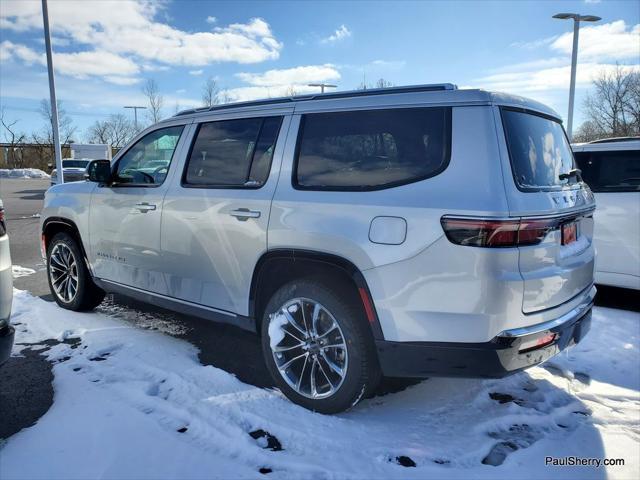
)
(614, 139)
(324, 96)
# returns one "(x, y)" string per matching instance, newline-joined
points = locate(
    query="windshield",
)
(538, 148)
(74, 164)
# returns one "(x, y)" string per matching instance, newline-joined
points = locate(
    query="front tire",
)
(317, 347)
(69, 279)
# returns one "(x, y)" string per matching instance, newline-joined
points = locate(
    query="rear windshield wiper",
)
(575, 172)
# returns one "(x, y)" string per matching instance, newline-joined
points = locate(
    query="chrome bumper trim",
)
(577, 312)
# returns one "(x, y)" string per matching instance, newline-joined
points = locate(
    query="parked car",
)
(73, 170)
(408, 232)
(611, 167)
(6, 291)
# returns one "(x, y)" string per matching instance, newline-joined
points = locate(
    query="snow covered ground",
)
(132, 402)
(23, 173)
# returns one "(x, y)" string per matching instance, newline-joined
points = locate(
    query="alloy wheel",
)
(63, 272)
(312, 354)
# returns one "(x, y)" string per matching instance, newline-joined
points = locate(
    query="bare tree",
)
(210, 92)
(380, 83)
(155, 100)
(66, 128)
(291, 91)
(613, 108)
(225, 97)
(13, 138)
(587, 132)
(116, 131)
(43, 139)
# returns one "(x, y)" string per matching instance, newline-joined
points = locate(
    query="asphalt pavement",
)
(26, 391)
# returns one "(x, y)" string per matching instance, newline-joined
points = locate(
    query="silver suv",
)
(408, 232)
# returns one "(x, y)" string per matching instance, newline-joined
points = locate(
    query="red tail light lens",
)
(496, 233)
(540, 342)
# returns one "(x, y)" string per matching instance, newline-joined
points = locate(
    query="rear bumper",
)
(497, 358)
(6, 342)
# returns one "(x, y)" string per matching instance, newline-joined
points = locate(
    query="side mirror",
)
(99, 171)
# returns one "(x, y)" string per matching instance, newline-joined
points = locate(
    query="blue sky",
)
(105, 51)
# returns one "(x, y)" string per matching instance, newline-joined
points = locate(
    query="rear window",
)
(373, 149)
(538, 149)
(610, 171)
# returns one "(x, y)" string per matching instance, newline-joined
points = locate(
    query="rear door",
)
(215, 218)
(614, 177)
(542, 186)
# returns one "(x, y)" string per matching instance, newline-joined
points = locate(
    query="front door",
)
(214, 226)
(124, 217)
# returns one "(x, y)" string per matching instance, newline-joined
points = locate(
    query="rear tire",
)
(69, 279)
(332, 346)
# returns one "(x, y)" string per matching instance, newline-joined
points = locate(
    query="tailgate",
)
(543, 186)
(561, 266)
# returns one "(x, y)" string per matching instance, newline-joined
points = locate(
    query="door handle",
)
(243, 214)
(145, 207)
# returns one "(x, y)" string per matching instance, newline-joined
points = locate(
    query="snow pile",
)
(23, 173)
(133, 403)
(17, 271)
(276, 330)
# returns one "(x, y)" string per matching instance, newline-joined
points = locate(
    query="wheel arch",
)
(279, 266)
(54, 225)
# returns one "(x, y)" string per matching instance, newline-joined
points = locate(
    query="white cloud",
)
(278, 83)
(600, 47)
(535, 44)
(196, 72)
(242, 94)
(291, 76)
(211, 19)
(389, 64)
(112, 68)
(340, 34)
(130, 30)
(614, 40)
(121, 80)
(528, 81)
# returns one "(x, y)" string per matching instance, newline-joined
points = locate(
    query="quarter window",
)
(233, 153)
(147, 162)
(373, 149)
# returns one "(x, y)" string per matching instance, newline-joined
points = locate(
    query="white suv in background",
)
(410, 231)
(611, 167)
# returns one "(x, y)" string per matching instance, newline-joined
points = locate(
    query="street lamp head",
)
(577, 17)
(566, 16)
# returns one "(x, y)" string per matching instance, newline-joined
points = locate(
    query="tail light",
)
(536, 343)
(497, 233)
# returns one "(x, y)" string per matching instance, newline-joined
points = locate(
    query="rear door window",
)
(373, 149)
(232, 153)
(538, 149)
(613, 171)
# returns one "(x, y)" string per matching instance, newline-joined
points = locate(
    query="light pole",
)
(322, 86)
(135, 114)
(57, 151)
(577, 18)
